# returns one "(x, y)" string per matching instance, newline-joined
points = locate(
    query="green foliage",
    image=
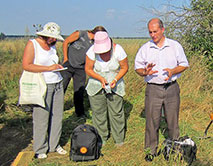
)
(201, 37)
(194, 27)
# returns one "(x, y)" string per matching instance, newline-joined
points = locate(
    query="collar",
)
(165, 44)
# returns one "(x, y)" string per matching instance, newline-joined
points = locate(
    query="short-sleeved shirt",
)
(119, 54)
(108, 70)
(77, 50)
(170, 56)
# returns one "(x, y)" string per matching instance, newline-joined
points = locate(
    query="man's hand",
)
(169, 73)
(176, 70)
(148, 69)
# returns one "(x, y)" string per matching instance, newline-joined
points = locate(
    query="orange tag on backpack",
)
(211, 116)
(83, 150)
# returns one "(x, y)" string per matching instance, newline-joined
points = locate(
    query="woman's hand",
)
(113, 84)
(103, 82)
(123, 70)
(65, 60)
(54, 67)
(28, 61)
(90, 72)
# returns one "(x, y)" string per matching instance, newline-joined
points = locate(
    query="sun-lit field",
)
(196, 106)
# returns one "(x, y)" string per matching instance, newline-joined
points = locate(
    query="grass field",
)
(196, 106)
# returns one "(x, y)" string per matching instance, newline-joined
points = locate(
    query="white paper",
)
(65, 68)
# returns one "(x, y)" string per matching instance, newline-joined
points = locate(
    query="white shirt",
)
(119, 54)
(170, 56)
(108, 70)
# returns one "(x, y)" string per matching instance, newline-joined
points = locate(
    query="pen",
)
(54, 62)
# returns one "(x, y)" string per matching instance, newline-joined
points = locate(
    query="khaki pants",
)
(158, 97)
(108, 114)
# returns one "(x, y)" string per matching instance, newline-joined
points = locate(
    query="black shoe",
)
(149, 157)
(82, 116)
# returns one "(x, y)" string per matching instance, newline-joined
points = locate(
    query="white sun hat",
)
(51, 29)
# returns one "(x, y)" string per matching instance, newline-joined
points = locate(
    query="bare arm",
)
(73, 37)
(90, 72)
(123, 70)
(28, 59)
(176, 70)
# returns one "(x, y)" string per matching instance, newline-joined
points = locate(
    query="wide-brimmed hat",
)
(51, 29)
(102, 42)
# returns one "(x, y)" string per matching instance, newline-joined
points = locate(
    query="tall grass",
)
(196, 105)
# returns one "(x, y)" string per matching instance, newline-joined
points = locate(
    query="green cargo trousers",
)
(108, 115)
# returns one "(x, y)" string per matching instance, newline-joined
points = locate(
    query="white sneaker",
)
(119, 144)
(60, 150)
(41, 156)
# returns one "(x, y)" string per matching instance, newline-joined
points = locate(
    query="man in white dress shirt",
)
(160, 61)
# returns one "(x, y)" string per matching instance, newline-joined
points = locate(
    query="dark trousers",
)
(156, 98)
(79, 79)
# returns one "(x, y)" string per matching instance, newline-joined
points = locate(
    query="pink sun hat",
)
(102, 42)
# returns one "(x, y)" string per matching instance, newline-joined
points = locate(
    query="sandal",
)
(60, 150)
(41, 156)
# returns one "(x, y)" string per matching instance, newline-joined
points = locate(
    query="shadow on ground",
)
(69, 124)
(15, 135)
(72, 121)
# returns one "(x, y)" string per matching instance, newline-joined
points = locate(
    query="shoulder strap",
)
(35, 50)
(114, 45)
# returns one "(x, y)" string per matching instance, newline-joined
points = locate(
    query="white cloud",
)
(110, 14)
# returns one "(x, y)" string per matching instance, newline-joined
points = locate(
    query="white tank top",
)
(47, 58)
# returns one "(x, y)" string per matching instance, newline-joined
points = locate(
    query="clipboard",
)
(65, 68)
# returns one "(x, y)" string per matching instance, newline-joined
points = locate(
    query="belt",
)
(164, 85)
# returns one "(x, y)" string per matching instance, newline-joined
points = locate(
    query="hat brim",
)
(102, 48)
(46, 34)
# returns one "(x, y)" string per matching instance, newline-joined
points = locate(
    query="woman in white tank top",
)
(47, 122)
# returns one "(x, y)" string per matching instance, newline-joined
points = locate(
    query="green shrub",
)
(193, 27)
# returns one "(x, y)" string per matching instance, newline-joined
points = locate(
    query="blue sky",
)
(121, 18)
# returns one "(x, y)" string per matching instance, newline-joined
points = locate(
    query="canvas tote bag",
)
(32, 87)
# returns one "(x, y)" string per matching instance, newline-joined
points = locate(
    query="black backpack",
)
(86, 143)
(185, 147)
